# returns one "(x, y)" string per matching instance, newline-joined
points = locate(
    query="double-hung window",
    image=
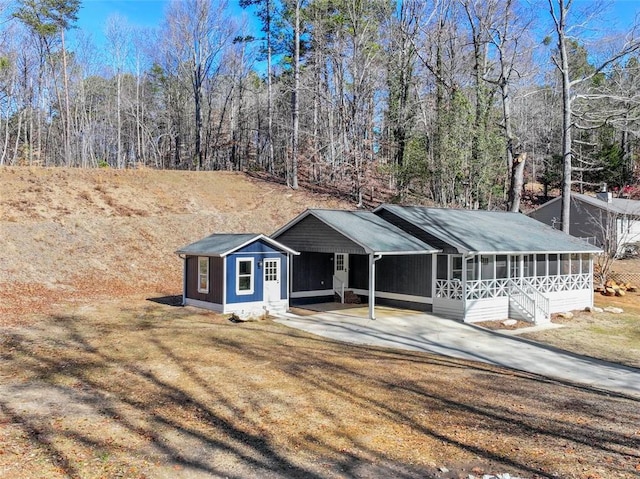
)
(244, 276)
(203, 274)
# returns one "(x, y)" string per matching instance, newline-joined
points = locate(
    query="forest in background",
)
(448, 102)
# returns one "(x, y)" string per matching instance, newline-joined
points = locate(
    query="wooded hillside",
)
(436, 100)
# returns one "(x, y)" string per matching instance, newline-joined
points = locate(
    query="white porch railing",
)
(449, 289)
(487, 288)
(494, 288)
(530, 300)
(338, 287)
(529, 294)
(568, 282)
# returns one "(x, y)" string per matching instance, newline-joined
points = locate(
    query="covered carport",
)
(327, 239)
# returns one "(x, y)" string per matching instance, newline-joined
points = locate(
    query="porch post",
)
(465, 258)
(372, 284)
(289, 286)
(372, 287)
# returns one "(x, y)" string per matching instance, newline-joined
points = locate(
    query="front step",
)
(349, 297)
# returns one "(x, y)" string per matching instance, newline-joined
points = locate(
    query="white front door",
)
(341, 267)
(272, 280)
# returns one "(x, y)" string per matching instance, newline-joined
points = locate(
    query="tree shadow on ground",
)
(154, 390)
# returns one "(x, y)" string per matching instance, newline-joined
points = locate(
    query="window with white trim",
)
(244, 276)
(270, 270)
(203, 274)
(456, 267)
(514, 267)
(472, 268)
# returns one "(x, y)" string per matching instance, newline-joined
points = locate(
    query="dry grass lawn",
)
(609, 336)
(98, 382)
(141, 389)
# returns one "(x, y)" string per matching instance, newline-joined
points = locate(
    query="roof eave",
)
(399, 253)
(257, 238)
(194, 253)
(254, 238)
(476, 253)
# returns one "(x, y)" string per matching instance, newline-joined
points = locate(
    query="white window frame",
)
(452, 270)
(275, 273)
(202, 272)
(251, 275)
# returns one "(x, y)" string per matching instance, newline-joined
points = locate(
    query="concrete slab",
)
(416, 331)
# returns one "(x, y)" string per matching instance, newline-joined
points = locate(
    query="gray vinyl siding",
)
(215, 280)
(402, 274)
(311, 234)
(416, 231)
(410, 274)
(312, 272)
(359, 271)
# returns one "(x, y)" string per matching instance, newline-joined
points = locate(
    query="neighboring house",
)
(245, 274)
(608, 222)
(468, 265)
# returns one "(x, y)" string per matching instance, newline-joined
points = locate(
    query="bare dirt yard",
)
(103, 376)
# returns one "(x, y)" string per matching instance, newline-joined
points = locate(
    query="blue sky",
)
(139, 13)
(94, 13)
(149, 13)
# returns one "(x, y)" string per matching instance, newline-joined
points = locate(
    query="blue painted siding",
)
(258, 251)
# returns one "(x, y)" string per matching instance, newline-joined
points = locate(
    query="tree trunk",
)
(566, 125)
(295, 99)
(270, 159)
(65, 77)
(517, 180)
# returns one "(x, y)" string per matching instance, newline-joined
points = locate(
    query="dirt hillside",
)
(75, 235)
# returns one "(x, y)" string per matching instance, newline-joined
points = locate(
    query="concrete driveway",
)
(417, 331)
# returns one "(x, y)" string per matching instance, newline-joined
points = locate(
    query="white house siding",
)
(243, 310)
(634, 232)
(449, 308)
(218, 308)
(492, 309)
(628, 231)
(487, 309)
(560, 301)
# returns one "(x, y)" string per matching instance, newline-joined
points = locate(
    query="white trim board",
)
(311, 294)
(203, 304)
(397, 296)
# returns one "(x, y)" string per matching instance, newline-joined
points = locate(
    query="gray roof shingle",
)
(224, 244)
(622, 206)
(478, 231)
(369, 231)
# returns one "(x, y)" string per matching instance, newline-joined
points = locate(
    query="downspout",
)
(372, 284)
(289, 285)
(224, 284)
(184, 280)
